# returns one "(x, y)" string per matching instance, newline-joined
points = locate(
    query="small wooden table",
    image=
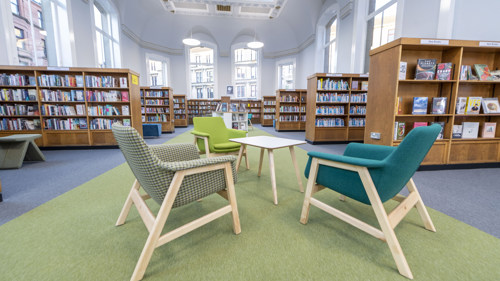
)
(15, 149)
(270, 143)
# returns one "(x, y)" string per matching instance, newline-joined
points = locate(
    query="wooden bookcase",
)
(68, 106)
(268, 111)
(386, 89)
(252, 106)
(157, 107)
(291, 110)
(201, 108)
(180, 111)
(336, 106)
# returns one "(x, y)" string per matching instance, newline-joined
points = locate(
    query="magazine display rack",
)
(68, 106)
(336, 106)
(291, 110)
(157, 107)
(391, 95)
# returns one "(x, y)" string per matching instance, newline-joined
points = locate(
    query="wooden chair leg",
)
(246, 158)
(128, 203)
(232, 198)
(383, 220)
(422, 211)
(260, 161)
(207, 147)
(311, 184)
(158, 225)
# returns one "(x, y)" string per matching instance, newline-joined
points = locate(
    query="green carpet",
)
(73, 237)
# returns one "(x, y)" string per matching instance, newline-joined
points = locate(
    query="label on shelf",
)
(434, 42)
(489, 44)
(135, 79)
(363, 75)
(334, 74)
(57, 68)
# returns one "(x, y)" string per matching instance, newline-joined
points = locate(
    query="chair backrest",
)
(404, 161)
(141, 161)
(212, 125)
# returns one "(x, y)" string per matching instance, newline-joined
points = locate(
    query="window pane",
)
(389, 24)
(97, 17)
(14, 6)
(332, 29)
(380, 3)
(201, 69)
(100, 50)
(156, 73)
(245, 71)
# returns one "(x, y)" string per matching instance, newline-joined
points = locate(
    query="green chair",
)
(212, 137)
(373, 174)
(173, 175)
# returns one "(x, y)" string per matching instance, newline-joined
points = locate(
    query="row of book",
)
(355, 85)
(330, 122)
(105, 81)
(155, 94)
(267, 102)
(292, 118)
(17, 80)
(102, 96)
(268, 116)
(420, 105)
(18, 95)
(429, 69)
(68, 110)
(54, 80)
(330, 110)
(359, 97)
(178, 100)
(473, 105)
(292, 108)
(332, 97)
(156, 102)
(269, 110)
(180, 116)
(332, 84)
(357, 109)
(467, 130)
(108, 110)
(65, 124)
(58, 95)
(180, 111)
(18, 109)
(157, 110)
(106, 124)
(357, 122)
(289, 98)
(158, 118)
(482, 71)
(18, 124)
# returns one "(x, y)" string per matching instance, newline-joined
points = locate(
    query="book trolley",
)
(388, 92)
(68, 106)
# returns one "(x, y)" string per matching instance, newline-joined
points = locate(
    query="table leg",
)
(240, 154)
(260, 162)
(246, 158)
(273, 176)
(297, 173)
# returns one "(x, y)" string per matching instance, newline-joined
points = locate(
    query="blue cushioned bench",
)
(151, 130)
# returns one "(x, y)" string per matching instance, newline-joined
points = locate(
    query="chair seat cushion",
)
(227, 146)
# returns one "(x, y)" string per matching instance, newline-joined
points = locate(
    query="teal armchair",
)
(373, 174)
(212, 137)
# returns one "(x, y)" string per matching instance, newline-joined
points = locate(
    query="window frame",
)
(166, 67)
(327, 45)
(16, 5)
(212, 90)
(288, 61)
(110, 38)
(257, 71)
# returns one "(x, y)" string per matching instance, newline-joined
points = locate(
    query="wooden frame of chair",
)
(209, 154)
(155, 224)
(387, 221)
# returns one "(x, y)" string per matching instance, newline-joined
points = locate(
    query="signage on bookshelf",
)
(363, 75)
(57, 68)
(135, 79)
(489, 44)
(434, 42)
(334, 74)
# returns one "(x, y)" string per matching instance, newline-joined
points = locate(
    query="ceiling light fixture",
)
(191, 41)
(255, 44)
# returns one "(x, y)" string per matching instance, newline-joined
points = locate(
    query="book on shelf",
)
(399, 105)
(441, 133)
(419, 124)
(364, 85)
(355, 85)
(426, 69)
(234, 107)
(224, 107)
(402, 70)
(79, 80)
(399, 130)
(444, 71)
(80, 109)
(126, 122)
(123, 82)
(473, 105)
(489, 129)
(457, 132)
(83, 123)
(420, 105)
(490, 105)
(125, 110)
(495, 75)
(470, 130)
(439, 105)
(125, 96)
(483, 72)
(461, 105)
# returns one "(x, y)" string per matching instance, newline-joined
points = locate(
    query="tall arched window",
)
(331, 46)
(106, 34)
(157, 70)
(246, 70)
(201, 72)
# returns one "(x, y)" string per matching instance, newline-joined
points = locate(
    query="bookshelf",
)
(337, 106)
(252, 106)
(268, 111)
(291, 110)
(180, 111)
(233, 119)
(68, 106)
(157, 107)
(387, 91)
(200, 108)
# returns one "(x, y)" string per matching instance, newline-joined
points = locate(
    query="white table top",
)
(267, 142)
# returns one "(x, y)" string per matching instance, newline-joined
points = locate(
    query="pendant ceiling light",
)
(190, 41)
(255, 44)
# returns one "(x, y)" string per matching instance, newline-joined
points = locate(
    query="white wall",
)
(344, 40)
(476, 20)
(84, 42)
(305, 66)
(420, 18)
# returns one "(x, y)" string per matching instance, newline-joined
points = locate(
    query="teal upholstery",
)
(217, 133)
(390, 167)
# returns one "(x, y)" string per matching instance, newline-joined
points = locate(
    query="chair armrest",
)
(175, 152)
(362, 162)
(197, 133)
(232, 133)
(368, 151)
(185, 165)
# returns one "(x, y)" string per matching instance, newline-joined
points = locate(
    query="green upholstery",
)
(217, 133)
(154, 167)
(390, 167)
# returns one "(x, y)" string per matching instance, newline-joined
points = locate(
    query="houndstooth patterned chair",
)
(173, 175)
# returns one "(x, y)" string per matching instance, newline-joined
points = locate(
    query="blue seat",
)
(373, 174)
(151, 130)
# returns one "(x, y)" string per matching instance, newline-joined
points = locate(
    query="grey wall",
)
(476, 20)
(84, 42)
(420, 18)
